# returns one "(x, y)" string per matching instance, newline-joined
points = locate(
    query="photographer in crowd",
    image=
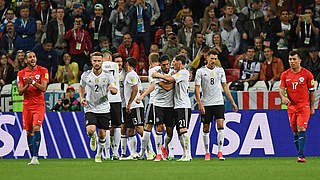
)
(67, 102)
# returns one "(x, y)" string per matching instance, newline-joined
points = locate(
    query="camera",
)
(65, 101)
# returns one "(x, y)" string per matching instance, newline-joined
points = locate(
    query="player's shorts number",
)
(182, 123)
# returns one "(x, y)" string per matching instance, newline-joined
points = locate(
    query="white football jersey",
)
(121, 81)
(151, 79)
(181, 89)
(132, 79)
(96, 88)
(163, 98)
(112, 68)
(210, 81)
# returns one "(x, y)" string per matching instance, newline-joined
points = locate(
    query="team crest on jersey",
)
(301, 79)
(96, 80)
(37, 76)
(211, 74)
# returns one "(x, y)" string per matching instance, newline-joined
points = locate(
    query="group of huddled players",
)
(113, 104)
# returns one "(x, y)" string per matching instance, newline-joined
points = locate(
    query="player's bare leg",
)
(220, 138)
(185, 143)
(101, 144)
(206, 140)
(301, 142)
(158, 140)
(35, 137)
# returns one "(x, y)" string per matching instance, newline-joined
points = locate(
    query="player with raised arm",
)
(32, 83)
(97, 85)
(212, 80)
(115, 107)
(164, 111)
(300, 101)
(132, 88)
(182, 104)
(150, 113)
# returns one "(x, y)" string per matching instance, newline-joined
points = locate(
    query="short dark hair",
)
(131, 61)
(103, 38)
(181, 58)
(164, 58)
(293, 53)
(212, 52)
(250, 47)
(116, 55)
(23, 7)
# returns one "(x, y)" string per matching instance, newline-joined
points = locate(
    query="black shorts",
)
(115, 112)
(136, 118)
(150, 114)
(217, 111)
(100, 120)
(165, 115)
(183, 116)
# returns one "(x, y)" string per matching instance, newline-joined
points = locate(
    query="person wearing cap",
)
(312, 62)
(67, 102)
(172, 47)
(98, 25)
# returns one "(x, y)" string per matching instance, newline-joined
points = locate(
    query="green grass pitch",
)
(198, 169)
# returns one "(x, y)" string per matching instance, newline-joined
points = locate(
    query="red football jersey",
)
(33, 97)
(298, 86)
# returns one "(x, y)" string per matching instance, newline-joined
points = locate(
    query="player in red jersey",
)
(300, 101)
(32, 83)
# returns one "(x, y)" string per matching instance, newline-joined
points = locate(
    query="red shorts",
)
(299, 117)
(31, 116)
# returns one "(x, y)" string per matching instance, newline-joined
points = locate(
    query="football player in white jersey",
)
(164, 111)
(182, 104)
(150, 114)
(97, 85)
(132, 89)
(212, 80)
(117, 58)
(115, 103)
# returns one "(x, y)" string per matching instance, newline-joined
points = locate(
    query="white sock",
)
(150, 148)
(107, 144)
(186, 142)
(206, 141)
(182, 145)
(167, 140)
(101, 145)
(145, 141)
(133, 145)
(116, 143)
(158, 140)
(171, 149)
(124, 144)
(220, 139)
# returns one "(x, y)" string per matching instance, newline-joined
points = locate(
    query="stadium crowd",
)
(254, 36)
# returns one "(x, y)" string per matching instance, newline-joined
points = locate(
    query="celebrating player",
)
(97, 85)
(182, 104)
(212, 79)
(132, 88)
(300, 90)
(32, 83)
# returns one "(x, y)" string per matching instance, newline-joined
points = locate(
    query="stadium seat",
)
(276, 86)
(259, 86)
(232, 74)
(56, 87)
(6, 89)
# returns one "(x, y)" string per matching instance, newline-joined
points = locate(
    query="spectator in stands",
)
(142, 68)
(271, 20)
(7, 74)
(221, 50)
(307, 30)
(77, 10)
(196, 46)
(168, 10)
(67, 102)
(230, 37)
(98, 25)
(228, 13)
(19, 63)
(312, 62)
(67, 71)
(120, 23)
(154, 48)
(56, 31)
(271, 68)
(79, 43)
(128, 48)
(250, 23)
(249, 67)
(207, 19)
(47, 57)
(28, 4)
(283, 40)
(162, 39)
(9, 16)
(155, 11)
(40, 34)
(140, 19)
(26, 28)
(316, 13)
(213, 29)
(104, 45)
(53, 13)
(185, 34)
(7, 42)
(172, 47)
(237, 5)
(184, 52)
(258, 46)
(3, 9)
(44, 13)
